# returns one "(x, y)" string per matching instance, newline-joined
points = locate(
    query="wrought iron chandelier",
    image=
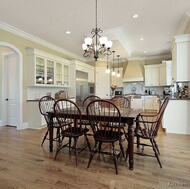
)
(96, 44)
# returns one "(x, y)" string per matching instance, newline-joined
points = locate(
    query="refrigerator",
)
(81, 87)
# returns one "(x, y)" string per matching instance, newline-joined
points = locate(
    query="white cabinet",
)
(81, 66)
(181, 58)
(136, 103)
(152, 75)
(35, 118)
(102, 85)
(150, 103)
(165, 76)
(118, 80)
(176, 117)
(91, 75)
(158, 74)
(47, 70)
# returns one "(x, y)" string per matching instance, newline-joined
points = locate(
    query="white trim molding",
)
(32, 38)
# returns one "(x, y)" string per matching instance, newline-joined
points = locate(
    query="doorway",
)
(11, 85)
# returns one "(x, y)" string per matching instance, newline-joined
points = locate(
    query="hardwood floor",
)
(24, 164)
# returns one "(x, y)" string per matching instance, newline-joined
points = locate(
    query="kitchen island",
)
(177, 116)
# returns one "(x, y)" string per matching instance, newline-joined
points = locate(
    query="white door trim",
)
(20, 100)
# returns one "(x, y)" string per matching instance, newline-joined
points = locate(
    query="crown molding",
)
(185, 22)
(119, 34)
(164, 56)
(32, 38)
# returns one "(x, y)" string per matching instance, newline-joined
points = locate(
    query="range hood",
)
(133, 72)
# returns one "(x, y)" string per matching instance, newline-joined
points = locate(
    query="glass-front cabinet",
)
(50, 72)
(59, 73)
(47, 70)
(66, 75)
(40, 70)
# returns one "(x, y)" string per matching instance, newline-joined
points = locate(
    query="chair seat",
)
(109, 136)
(72, 131)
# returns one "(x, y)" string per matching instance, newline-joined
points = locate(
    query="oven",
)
(91, 88)
(118, 93)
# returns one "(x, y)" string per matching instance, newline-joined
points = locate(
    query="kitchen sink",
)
(134, 95)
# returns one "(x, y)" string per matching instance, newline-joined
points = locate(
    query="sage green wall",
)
(21, 44)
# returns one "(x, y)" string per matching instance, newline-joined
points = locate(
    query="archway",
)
(11, 51)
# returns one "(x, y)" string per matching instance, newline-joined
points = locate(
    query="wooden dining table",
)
(128, 117)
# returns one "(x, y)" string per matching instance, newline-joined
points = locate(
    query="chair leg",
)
(156, 153)
(70, 144)
(76, 149)
(138, 142)
(45, 136)
(99, 147)
(58, 136)
(156, 146)
(127, 153)
(93, 151)
(121, 148)
(87, 141)
(115, 158)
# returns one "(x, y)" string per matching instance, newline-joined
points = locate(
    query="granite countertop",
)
(37, 100)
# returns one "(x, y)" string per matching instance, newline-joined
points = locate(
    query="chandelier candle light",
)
(96, 44)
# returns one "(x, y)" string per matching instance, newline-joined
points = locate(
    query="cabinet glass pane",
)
(40, 70)
(66, 75)
(59, 74)
(50, 72)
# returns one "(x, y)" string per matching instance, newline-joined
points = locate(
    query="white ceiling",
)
(158, 22)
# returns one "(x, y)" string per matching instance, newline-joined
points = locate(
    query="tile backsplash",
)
(139, 88)
(35, 93)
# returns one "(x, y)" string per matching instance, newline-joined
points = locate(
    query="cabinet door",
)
(66, 76)
(58, 73)
(162, 75)
(40, 70)
(174, 64)
(81, 68)
(91, 75)
(148, 102)
(152, 76)
(136, 103)
(182, 61)
(50, 72)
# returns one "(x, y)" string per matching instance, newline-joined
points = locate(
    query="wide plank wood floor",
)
(24, 164)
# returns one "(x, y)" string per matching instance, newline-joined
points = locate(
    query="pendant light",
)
(107, 69)
(113, 72)
(118, 74)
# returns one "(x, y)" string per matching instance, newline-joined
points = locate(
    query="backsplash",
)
(133, 88)
(139, 88)
(35, 93)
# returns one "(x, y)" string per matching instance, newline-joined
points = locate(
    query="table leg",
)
(51, 135)
(131, 144)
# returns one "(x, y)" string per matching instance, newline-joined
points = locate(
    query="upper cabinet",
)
(47, 70)
(181, 58)
(165, 73)
(83, 67)
(158, 74)
(152, 75)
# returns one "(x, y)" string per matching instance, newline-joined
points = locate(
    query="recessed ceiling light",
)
(145, 52)
(141, 39)
(135, 16)
(68, 32)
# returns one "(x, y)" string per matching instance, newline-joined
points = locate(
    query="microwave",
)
(118, 93)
